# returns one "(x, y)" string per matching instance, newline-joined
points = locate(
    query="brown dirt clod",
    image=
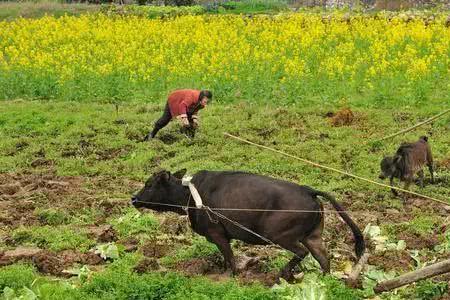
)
(130, 244)
(392, 260)
(12, 256)
(195, 266)
(103, 233)
(419, 242)
(146, 265)
(48, 263)
(90, 258)
(154, 250)
(174, 224)
(343, 117)
(10, 189)
(40, 162)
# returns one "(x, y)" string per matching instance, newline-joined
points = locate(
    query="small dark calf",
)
(408, 161)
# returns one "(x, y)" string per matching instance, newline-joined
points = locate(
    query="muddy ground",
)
(23, 194)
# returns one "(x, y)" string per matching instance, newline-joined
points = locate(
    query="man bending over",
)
(183, 105)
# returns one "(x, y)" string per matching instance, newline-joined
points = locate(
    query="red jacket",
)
(182, 101)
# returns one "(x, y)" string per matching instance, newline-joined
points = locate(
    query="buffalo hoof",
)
(288, 276)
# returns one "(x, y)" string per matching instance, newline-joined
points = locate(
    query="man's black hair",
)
(205, 93)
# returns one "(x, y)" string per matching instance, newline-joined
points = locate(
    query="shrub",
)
(153, 12)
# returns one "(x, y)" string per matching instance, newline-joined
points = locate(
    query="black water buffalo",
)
(408, 161)
(239, 190)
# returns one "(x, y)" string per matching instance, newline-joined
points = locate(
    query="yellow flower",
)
(284, 49)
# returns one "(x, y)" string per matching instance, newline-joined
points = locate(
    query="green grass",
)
(421, 225)
(36, 9)
(277, 262)
(91, 140)
(152, 12)
(200, 248)
(121, 283)
(430, 290)
(52, 216)
(53, 238)
(424, 224)
(13, 10)
(251, 7)
(133, 223)
(16, 276)
(171, 286)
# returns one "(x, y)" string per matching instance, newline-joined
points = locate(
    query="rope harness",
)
(186, 181)
(194, 194)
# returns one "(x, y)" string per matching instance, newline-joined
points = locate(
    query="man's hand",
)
(195, 122)
(184, 120)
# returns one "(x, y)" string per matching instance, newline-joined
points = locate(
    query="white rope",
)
(335, 170)
(241, 226)
(186, 181)
(208, 209)
(262, 210)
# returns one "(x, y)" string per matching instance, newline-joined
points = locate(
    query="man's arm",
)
(183, 114)
(195, 120)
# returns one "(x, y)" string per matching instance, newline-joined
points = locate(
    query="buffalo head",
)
(161, 191)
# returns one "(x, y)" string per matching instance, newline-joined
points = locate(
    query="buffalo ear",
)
(180, 173)
(164, 176)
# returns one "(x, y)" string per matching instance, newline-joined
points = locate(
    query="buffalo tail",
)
(360, 245)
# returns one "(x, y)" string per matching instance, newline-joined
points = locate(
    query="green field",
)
(82, 162)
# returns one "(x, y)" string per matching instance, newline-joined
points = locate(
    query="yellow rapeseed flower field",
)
(260, 56)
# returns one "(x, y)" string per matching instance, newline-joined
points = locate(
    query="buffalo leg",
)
(421, 176)
(300, 253)
(314, 244)
(408, 181)
(430, 168)
(391, 182)
(223, 244)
